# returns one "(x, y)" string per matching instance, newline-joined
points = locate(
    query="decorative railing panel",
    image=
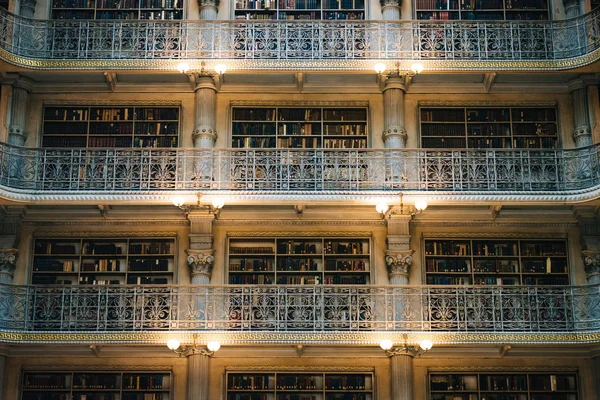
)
(301, 171)
(299, 40)
(300, 308)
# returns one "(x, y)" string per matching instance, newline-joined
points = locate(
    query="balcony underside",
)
(300, 45)
(247, 175)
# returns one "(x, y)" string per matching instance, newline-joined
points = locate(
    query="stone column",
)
(582, 135)
(394, 134)
(27, 8)
(390, 10)
(18, 114)
(198, 368)
(402, 376)
(8, 263)
(208, 9)
(398, 255)
(205, 134)
(572, 9)
(591, 261)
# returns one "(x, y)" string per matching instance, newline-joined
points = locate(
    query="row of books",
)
(95, 381)
(251, 250)
(65, 128)
(447, 248)
(149, 264)
(254, 279)
(299, 4)
(297, 265)
(299, 280)
(156, 381)
(146, 280)
(54, 248)
(156, 142)
(156, 128)
(91, 280)
(346, 265)
(495, 266)
(50, 265)
(443, 130)
(449, 265)
(111, 128)
(297, 382)
(102, 265)
(345, 280)
(298, 143)
(251, 265)
(344, 144)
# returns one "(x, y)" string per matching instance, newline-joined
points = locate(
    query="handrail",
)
(288, 308)
(540, 174)
(255, 44)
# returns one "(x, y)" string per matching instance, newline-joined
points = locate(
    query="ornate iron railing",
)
(300, 308)
(112, 171)
(291, 41)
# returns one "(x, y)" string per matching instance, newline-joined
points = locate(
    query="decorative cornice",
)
(298, 368)
(315, 103)
(132, 103)
(495, 224)
(97, 367)
(102, 222)
(480, 103)
(296, 222)
(275, 234)
(270, 337)
(475, 368)
(111, 234)
(200, 262)
(502, 235)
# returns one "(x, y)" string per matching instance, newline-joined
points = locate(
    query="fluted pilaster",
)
(205, 133)
(208, 9)
(198, 378)
(398, 255)
(390, 10)
(402, 376)
(394, 134)
(16, 130)
(582, 135)
(200, 253)
(8, 263)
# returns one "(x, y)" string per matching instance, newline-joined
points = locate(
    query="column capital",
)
(410, 351)
(582, 134)
(591, 262)
(200, 262)
(398, 263)
(205, 81)
(8, 264)
(204, 132)
(394, 81)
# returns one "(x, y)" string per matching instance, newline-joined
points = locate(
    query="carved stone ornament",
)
(390, 3)
(200, 262)
(394, 131)
(581, 131)
(208, 3)
(204, 132)
(8, 263)
(591, 261)
(398, 263)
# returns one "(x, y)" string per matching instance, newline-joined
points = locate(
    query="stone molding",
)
(8, 263)
(591, 262)
(299, 103)
(200, 262)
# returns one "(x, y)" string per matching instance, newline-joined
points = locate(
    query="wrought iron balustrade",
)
(25, 40)
(300, 308)
(34, 171)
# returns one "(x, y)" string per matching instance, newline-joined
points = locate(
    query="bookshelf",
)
(96, 385)
(299, 128)
(118, 9)
(90, 126)
(299, 386)
(502, 127)
(300, 9)
(482, 9)
(513, 386)
(496, 262)
(299, 261)
(104, 261)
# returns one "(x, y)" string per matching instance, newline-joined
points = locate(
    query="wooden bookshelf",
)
(96, 385)
(104, 261)
(299, 128)
(118, 9)
(90, 126)
(496, 262)
(299, 386)
(482, 9)
(499, 127)
(513, 386)
(300, 261)
(300, 9)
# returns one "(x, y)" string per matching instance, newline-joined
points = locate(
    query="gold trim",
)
(502, 369)
(278, 103)
(103, 235)
(291, 368)
(494, 235)
(286, 234)
(489, 103)
(132, 103)
(98, 367)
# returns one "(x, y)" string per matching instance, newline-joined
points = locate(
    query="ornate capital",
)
(591, 262)
(390, 3)
(200, 262)
(208, 3)
(581, 131)
(8, 263)
(28, 8)
(398, 262)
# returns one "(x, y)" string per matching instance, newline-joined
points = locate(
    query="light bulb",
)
(426, 344)
(178, 201)
(220, 69)
(218, 203)
(183, 67)
(382, 208)
(379, 68)
(173, 344)
(417, 68)
(420, 205)
(386, 344)
(213, 345)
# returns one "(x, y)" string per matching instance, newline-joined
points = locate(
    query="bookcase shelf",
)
(96, 385)
(482, 9)
(300, 9)
(501, 127)
(496, 262)
(118, 9)
(513, 386)
(299, 386)
(102, 261)
(314, 127)
(300, 261)
(89, 126)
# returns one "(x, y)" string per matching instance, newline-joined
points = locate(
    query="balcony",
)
(332, 314)
(569, 175)
(306, 45)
